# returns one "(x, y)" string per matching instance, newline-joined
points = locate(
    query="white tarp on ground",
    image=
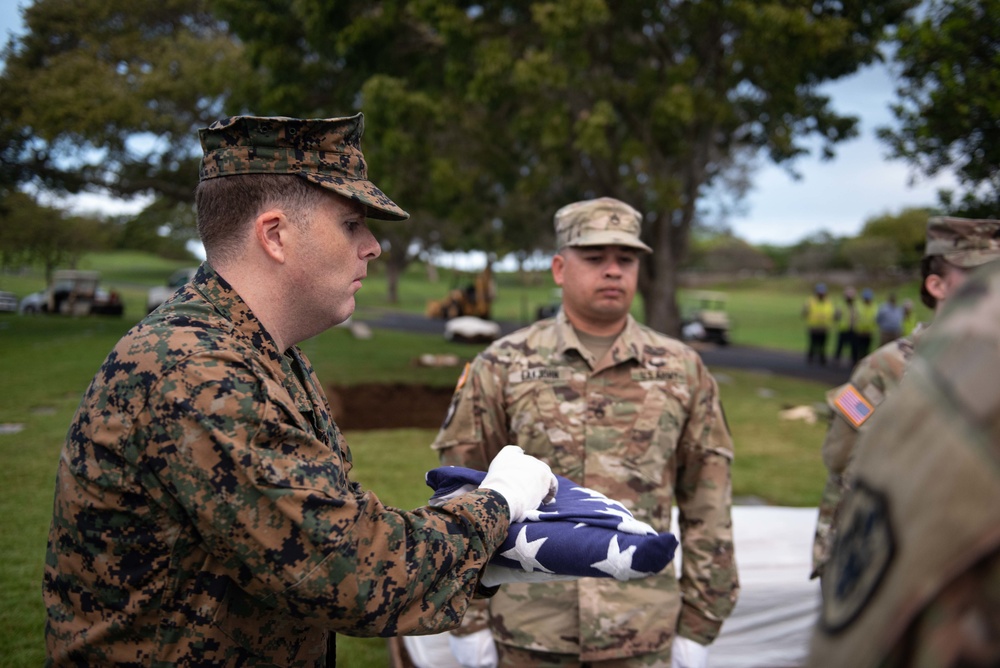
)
(773, 619)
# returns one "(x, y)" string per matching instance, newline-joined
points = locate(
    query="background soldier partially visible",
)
(953, 247)
(914, 578)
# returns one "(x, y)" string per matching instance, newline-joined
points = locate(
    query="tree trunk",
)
(658, 276)
(659, 292)
(392, 273)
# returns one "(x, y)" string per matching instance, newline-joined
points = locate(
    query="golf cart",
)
(704, 316)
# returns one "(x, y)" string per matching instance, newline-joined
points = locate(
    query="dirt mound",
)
(389, 406)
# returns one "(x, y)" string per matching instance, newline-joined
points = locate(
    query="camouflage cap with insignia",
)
(324, 151)
(599, 222)
(964, 242)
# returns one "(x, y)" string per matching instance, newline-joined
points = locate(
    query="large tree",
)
(484, 117)
(535, 104)
(106, 95)
(31, 233)
(948, 62)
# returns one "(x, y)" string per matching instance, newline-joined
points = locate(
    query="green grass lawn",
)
(46, 363)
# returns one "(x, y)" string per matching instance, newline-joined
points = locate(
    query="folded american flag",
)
(582, 533)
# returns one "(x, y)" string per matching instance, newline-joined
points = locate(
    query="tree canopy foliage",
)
(32, 233)
(536, 104)
(904, 232)
(949, 100)
(106, 95)
(483, 117)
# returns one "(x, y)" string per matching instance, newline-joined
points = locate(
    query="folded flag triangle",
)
(582, 533)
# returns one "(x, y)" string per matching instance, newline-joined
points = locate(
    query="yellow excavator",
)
(474, 299)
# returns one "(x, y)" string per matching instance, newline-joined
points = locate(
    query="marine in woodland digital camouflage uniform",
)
(204, 512)
(951, 242)
(914, 577)
(644, 425)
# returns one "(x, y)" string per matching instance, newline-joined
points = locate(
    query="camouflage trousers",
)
(515, 657)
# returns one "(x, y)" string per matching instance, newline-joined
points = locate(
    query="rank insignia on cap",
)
(854, 407)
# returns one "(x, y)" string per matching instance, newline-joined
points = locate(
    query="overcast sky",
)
(836, 196)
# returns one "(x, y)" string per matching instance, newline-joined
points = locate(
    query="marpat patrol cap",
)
(964, 242)
(599, 222)
(324, 151)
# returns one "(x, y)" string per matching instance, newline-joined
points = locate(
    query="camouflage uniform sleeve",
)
(709, 582)
(840, 439)
(872, 378)
(838, 445)
(476, 427)
(273, 504)
(474, 430)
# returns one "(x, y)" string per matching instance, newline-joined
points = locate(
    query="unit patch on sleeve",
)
(861, 556)
(854, 407)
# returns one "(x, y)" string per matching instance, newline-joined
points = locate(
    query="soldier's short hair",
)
(319, 154)
(227, 207)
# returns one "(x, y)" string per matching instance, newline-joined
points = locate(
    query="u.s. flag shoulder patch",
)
(854, 407)
(464, 377)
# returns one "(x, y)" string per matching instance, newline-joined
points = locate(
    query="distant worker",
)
(846, 318)
(889, 319)
(818, 313)
(954, 246)
(914, 578)
(864, 327)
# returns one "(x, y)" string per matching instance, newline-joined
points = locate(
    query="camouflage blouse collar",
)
(627, 346)
(221, 295)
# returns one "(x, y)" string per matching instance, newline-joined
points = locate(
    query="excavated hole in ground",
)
(389, 406)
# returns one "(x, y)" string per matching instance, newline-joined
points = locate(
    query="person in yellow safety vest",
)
(864, 327)
(846, 318)
(818, 313)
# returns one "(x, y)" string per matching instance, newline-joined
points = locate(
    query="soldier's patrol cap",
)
(599, 222)
(964, 242)
(324, 151)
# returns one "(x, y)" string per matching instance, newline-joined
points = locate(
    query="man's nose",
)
(613, 268)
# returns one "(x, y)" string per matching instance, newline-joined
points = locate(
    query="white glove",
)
(475, 650)
(525, 482)
(686, 653)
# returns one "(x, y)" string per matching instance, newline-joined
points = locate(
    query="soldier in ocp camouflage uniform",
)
(914, 577)
(620, 408)
(204, 512)
(954, 246)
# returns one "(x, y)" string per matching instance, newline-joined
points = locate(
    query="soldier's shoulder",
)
(169, 335)
(535, 339)
(885, 366)
(662, 345)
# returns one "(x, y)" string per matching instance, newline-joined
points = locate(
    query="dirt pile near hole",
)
(388, 406)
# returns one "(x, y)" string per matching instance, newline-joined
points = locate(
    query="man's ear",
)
(558, 265)
(270, 230)
(935, 286)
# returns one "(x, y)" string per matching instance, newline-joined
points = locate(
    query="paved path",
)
(733, 357)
